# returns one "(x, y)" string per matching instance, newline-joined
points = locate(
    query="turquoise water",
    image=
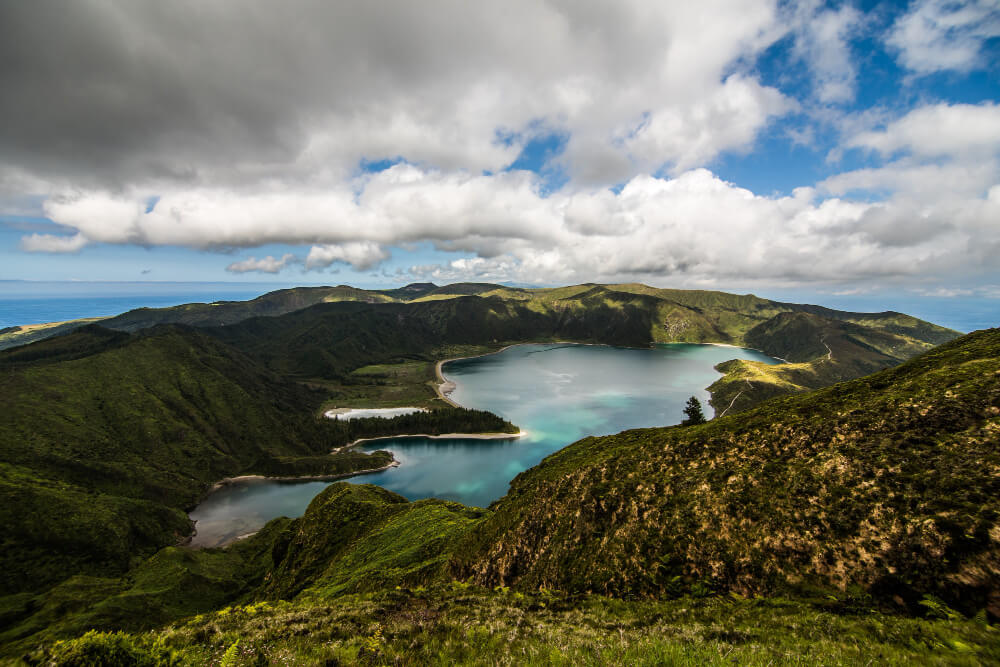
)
(557, 393)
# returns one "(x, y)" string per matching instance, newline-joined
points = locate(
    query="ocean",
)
(30, 302)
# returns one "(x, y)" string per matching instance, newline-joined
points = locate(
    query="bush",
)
(109, 649)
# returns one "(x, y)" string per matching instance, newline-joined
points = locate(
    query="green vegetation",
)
(174, 583)
(692, 412)
(107, 438)
(627, 314)
(392, 385)
(461, 624)
(360, 538)
(22, 335)
(866, 511)
(884, 487)
(433, 422)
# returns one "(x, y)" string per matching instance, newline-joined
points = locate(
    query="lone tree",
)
(693, 412)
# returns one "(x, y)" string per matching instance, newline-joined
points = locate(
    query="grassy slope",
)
(880, 492)
(330, 343)
(821, 351)
(105, 438)
(462, 625)
(356, 538)
(653, 314)
(887, 485)
(23, 335)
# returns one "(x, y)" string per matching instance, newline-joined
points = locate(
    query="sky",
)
(746, 145)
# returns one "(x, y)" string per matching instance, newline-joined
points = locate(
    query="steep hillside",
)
(106, 437)
(356, 538)
(330, 340)
(887, 485)
(627, 314)
(821, 350)
(229, 312)
(847, 503)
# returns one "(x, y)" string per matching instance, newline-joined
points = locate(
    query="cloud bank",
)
(693, 227)
(223, 127)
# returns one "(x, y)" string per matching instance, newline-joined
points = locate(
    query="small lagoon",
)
(558, 393)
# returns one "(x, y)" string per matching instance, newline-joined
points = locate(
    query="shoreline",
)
(335, 413)
(443, 436)
(743, 347)
(229, 481)
(444, 386)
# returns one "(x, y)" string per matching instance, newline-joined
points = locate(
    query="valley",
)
(874, 493)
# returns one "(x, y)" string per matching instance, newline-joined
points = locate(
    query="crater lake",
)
(556, 393)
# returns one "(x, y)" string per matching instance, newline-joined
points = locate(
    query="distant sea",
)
(30, 302)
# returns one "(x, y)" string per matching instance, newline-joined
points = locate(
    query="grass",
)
(403, 384)
(888, 485)
(881, 491)
(459, 624)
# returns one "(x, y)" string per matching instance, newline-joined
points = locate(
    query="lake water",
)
(557, 393)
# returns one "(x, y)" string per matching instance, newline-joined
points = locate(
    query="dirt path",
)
(733, 402)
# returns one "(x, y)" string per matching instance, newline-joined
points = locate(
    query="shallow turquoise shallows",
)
(557, 393)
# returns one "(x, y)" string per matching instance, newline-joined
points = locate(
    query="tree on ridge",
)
(693, 412)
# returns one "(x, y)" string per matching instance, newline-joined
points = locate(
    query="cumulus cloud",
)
(145, 94)
(728, 119)
(693, 227)
(267, 264)
(360, 255)
(937, 130)
(137, 124)
(937, 35)
(945, 151)
(54, 243)
(822, 38)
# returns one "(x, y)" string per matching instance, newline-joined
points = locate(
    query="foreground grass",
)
(458, 624)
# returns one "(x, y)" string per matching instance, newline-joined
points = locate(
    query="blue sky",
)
(832, 148)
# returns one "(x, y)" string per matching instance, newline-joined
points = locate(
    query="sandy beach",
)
(443, 436)
(445, 386)
(358, 413)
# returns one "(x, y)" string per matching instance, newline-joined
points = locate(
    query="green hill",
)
(108, 437)
(328, 342)
(857, 523)
(878, 491)
(626, 314)
(887, 486)
(486, 316)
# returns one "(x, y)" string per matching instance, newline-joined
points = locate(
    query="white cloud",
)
(301, 93)
(361, 256)
(945, 292)
(943, 152)
(919, 180)
(937, 35)
(937, 130)
(729, 119)
(267, 264)
(693, 228)
(822, 40)
(53, 243)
